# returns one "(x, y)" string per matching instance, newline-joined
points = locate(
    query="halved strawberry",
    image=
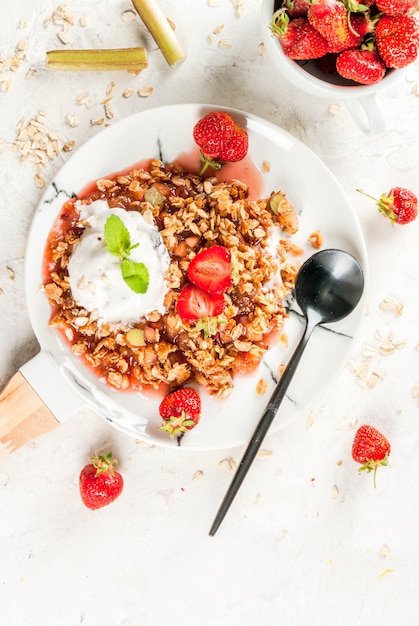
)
(220, 138)
(195, 303)
(180, 411)
(210, 269)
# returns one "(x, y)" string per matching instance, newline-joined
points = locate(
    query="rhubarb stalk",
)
(160, 29)
(130, 59)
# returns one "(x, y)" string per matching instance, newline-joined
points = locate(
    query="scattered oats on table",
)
(197, 476)
(415, 392)
(228, 464)
(261, 387)
(146, 91)
(391, 304)
(85, 99)
(262, 453)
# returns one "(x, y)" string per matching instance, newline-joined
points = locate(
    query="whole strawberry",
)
(180, 410)
(396, 7)
(220, 140)
(339, 27)
(397, 40)
(363, 66)
(399, 204)
(99, 483)
(298, 38)
(371, 449)
(297, 8)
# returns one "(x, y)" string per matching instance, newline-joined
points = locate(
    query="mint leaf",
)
(117, 237)
(135, 275)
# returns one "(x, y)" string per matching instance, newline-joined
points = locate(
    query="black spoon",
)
(329, 285)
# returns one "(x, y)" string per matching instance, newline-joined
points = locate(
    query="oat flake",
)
(144, 92)
(228, 464)
(197, 476)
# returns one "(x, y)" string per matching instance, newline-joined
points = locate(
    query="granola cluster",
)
(163, 351)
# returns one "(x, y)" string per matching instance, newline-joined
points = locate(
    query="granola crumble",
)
(194, 213)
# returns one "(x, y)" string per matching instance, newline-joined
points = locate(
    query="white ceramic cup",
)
(360, 100)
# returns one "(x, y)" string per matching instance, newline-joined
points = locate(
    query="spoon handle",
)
(262, 427)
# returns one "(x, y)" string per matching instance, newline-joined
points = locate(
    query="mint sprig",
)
(118, 242)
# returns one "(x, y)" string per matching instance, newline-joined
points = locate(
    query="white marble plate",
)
(321, 203)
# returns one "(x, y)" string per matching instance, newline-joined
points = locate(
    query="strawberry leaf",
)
(210, 324)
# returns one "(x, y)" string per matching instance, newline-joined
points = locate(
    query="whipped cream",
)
(95, 275)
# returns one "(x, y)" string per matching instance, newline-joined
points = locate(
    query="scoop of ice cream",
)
(95, 275)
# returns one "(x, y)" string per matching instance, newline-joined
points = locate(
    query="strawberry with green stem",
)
(298, 38)
(220, 140)
(371, 449)
(342, 24)
(180, 411)
(362, 65)
(399, 205)
(99, 482)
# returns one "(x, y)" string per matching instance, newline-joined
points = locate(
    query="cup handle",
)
(368, 114)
